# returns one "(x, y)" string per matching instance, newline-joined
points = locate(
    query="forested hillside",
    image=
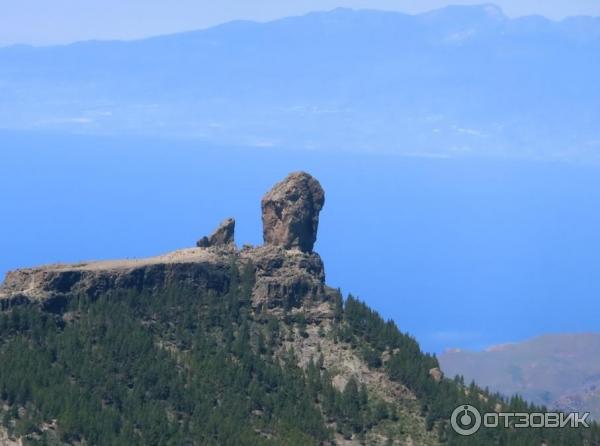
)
(186, 368)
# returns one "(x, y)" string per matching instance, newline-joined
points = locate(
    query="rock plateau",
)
(288, 274)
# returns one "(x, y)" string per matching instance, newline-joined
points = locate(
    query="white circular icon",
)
(463, 417)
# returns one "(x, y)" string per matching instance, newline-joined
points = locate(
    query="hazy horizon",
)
(66, 21)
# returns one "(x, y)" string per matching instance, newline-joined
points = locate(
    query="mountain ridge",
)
(490, 10)
(218, 345)
(282, 280)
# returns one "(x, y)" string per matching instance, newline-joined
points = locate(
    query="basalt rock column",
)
(290, 212)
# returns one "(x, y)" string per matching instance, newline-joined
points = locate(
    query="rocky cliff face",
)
(51, 285)
(288, 274)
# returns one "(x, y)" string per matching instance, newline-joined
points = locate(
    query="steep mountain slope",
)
(216, 345)
(461, 80)
(561, 370)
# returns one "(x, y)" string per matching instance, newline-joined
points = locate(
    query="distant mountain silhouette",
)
(560, 371)
(455, 81)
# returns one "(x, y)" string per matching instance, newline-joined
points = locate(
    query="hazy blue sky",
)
(44, 22)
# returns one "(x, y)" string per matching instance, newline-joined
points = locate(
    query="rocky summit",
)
(290, 212)
(287, 273)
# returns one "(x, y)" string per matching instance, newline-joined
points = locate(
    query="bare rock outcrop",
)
(290, 212)
(286, 279)
(436, 374)
(223, 235)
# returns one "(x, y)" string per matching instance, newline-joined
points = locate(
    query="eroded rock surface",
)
(53, 285)
(223, 235)
(290, 212)
(287, 279)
